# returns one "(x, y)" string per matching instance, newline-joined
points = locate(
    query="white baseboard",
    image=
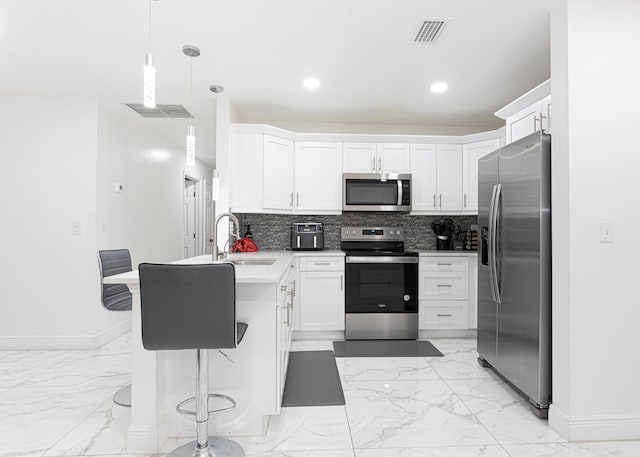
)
(142, 440)
(595, 428)
(64, 342)
(462, 333)
(301, 335)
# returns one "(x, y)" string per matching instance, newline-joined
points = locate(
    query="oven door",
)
(381, 284)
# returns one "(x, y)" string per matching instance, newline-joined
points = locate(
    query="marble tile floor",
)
(59, 404)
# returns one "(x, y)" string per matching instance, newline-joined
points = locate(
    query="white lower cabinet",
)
(443, 290)
(321, 293)
(284, 329)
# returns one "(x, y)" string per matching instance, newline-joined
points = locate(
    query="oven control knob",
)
(407, 298)
(353, 232)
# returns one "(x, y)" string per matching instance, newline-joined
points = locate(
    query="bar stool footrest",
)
(180, 407)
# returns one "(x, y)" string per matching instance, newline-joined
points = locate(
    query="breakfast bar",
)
(253, 373)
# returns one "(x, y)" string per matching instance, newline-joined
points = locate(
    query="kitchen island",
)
(253, 373)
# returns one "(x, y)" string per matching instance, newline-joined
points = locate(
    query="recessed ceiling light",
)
(439, 87)
(311, 83)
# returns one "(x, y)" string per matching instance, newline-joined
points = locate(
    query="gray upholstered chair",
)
(116, 297)
(193, 307)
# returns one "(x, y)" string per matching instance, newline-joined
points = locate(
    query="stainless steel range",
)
(381, 295)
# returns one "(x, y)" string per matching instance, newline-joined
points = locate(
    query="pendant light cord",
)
(149, 27)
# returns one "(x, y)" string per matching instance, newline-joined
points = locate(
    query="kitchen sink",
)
(252, 261)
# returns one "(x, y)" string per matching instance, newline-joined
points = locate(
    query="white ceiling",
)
(362, 51)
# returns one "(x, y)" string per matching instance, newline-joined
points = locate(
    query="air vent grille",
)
(162, 111)
(429, 30)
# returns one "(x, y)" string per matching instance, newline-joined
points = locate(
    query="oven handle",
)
(381, 259)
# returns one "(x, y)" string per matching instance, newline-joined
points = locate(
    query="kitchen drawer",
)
(320, 263)
(451, 315)
(444, 286)
(444, 264)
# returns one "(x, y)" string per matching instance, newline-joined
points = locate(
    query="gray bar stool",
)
(116, 297)
(193, 307)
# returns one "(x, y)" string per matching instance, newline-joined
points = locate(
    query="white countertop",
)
(436, 253)
(244, 273)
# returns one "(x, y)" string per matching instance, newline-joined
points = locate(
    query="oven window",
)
(381, 288)
(371, 192)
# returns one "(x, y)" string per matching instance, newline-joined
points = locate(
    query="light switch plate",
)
(76, 228)
(606, 232)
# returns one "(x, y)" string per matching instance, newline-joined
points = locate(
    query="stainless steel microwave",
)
(376, 192)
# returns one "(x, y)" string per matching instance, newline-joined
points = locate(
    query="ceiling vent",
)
(429, 30)
(162, 111)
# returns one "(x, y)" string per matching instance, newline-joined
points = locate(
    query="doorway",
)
(189, 218)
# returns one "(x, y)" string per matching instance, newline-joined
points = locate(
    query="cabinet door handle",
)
(341, 282)
(444, 264)
(291, 197)
(288, 316)
(435, 205)
(440, 200)
(322, 263)
(294, 288)
(444, 285)
(465, 200)
(445, 315)
(297, 199)
(373, 164)
(380, 164)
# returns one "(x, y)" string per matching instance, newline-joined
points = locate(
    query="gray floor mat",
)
(385, 348)
(312, 380)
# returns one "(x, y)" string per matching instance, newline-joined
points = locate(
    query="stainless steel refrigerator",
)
(514, 266)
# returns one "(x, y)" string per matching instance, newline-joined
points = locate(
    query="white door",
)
(277, 174)
(470, 154)
(393, 158)
(318, 177)
(423, 177)
(189, 218)
(322, 300)
(359, 158)
(208, 217)
(449, 177)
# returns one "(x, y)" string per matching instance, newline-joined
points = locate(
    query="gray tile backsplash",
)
(272, 231)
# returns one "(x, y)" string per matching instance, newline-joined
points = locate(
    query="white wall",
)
(596, 317)
(49, 279)
(397, 129)
(146, 217)
(60, 156)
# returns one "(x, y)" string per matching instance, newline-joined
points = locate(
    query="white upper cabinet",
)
(246, 172)
(424, 177)
(318, 177)
(393, 158)
(471, 152)
(359, 158)
(449, 177)
(436, 178)
(277, 186)
(376, 158)
(529, 113)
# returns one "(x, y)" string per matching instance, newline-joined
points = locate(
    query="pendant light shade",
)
(191, 52)
(149, 98)
(149, 77)
(191, 145)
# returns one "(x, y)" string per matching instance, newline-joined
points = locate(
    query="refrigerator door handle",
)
(496, 215)
(490, 244)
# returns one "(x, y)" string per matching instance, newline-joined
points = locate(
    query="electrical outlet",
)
(606, 232)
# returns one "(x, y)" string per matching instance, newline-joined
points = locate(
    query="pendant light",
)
(191, 52)
(149, 95)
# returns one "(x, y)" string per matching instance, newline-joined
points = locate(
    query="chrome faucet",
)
(214, 240)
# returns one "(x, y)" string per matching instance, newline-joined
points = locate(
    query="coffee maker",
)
(443, 229)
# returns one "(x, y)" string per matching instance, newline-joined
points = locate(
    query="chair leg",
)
(204, 446)
(123, 396)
